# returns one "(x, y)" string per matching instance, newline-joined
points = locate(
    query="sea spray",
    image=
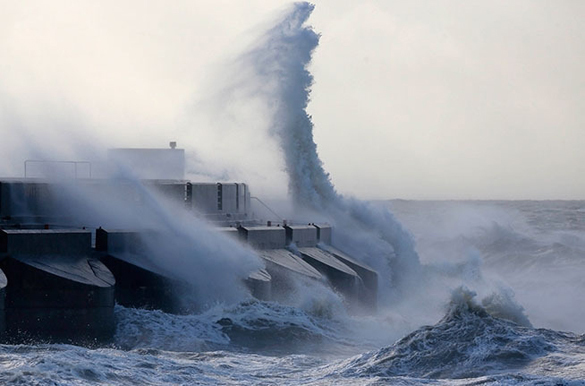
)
(252, 325)
(280, 61)
(469, 341)
(184, 246)
(277, 72)
(530, 247)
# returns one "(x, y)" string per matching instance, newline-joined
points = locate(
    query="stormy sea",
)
(470, 292)
(501, 283)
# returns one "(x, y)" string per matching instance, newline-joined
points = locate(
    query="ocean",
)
(470, 292)
(499, 303)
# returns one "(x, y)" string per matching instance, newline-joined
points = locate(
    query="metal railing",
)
(267, 207)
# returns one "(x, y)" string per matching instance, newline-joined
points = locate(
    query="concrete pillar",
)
(55, 290)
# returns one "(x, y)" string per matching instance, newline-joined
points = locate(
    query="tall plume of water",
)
(279, 63)
(276, 71)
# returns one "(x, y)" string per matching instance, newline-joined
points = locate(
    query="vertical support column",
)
(237, 198)
(219, 197)
(189, 195)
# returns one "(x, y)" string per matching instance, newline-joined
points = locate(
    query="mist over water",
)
(413, 291)
(462, 292)
(276, 71)
(533, 250)
(280, 62)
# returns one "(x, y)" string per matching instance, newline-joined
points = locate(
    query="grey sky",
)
(417, 99)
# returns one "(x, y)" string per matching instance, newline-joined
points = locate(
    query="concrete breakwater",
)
(59, 283)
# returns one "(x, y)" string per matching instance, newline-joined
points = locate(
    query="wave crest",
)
(470, 341)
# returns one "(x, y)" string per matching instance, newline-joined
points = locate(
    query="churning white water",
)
(476, 328)
(470, 292)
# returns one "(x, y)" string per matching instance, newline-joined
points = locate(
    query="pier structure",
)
(60, 278)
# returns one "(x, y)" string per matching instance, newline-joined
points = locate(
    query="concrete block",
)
(204, 197)
(119, 241)
(243, 199)
(172, 190)
(264, 237)
(26, 198)
(260, 285)
(230, 232)
(368, 292)
(140, 287)
(283, 258)
(301, 235)
(232, 200)
(62, 273)
(323, 233)
(41, 242)
(62, 298)
(229, 198)
(342, 278)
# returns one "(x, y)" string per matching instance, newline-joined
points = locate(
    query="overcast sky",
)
(412, 99)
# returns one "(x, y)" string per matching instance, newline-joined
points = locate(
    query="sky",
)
(413, 100)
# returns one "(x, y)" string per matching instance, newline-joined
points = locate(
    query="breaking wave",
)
(490, 340)
(471, 341)
(250, 326)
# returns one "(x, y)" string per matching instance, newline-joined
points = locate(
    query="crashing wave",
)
(250, 326)
(470, 341)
